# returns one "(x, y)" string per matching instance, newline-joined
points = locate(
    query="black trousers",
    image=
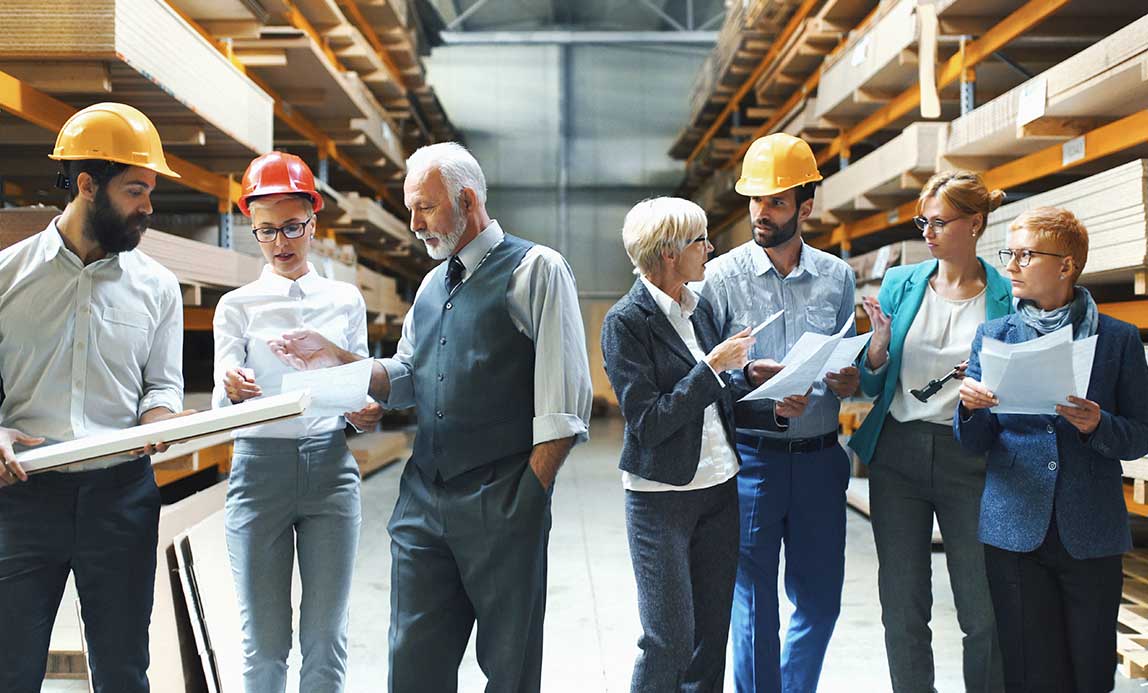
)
(102, 526)
(1056, 617)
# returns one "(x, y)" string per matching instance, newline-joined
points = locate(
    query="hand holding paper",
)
(334, 391)
(1035, 377)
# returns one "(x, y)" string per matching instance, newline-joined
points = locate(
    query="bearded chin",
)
(778, 237)
(447, 245)
(114, 233)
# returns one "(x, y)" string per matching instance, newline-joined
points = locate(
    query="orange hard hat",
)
(112, 132)
(278, 173)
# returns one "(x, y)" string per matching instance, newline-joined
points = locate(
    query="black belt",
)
(790, 445)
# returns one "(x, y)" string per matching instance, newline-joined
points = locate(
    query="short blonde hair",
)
(273, 199)
(964, 191)
(657, 224)
(1060, 227)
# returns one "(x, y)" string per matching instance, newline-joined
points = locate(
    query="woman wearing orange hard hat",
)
(294, 486)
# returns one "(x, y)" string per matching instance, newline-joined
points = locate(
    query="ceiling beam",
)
(524, 38)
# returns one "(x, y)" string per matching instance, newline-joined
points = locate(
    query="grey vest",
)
(473, 369)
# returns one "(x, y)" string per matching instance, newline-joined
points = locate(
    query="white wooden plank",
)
(249, 413)
(882, 172)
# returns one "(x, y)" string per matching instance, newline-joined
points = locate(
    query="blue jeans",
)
(798, 499)
(286, 494)
(102, 526)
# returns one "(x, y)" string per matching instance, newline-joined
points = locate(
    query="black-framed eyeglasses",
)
(267, 234)
(938, 224)
(701, 239)
(1023, 257)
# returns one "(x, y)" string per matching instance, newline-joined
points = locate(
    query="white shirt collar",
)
(53, 244)
(279, 284)
(479, 246)
(668, 305)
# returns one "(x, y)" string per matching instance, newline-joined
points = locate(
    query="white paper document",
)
(1034, 376)
(334, 391)
(807, 362)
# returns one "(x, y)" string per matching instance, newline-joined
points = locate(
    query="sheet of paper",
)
(844, 354)
(765, 323)
(804, 365)
(1035, 376)
(334, 391)
(1083, 355)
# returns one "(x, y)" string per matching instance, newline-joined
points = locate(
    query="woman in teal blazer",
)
(924, 321)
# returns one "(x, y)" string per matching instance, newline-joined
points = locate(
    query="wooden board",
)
(377, 221)
(1103, 82)
(201, 263)
(886, 177)
(379, 449)
(150, 40)
(1112, 205)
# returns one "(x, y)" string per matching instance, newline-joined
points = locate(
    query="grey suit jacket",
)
(662, 389)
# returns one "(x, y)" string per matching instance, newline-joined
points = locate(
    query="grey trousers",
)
(684, 548)
(918, 470)
(466, 550)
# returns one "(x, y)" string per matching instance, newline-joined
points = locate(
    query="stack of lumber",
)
(380, 293)
(194, 262)
(1103, 82)
(379, 449)
(801, 56)
(334, 261)
(368, 216)
(870, 267)
(1132, 619)
(800, 122)
(1112, 205)
(152, 59)
(888, 176)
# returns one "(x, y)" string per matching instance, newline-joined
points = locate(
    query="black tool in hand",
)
(935, 385)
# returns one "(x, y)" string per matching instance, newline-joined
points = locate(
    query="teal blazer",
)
(902, 292)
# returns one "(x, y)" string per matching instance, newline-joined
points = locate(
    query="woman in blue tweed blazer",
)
(1053, 519)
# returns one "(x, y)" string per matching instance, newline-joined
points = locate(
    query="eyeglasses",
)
(1023, 257)
(267, 234)
(938, 224)
(701, 239)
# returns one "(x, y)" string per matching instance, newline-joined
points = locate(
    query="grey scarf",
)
(1080, 312)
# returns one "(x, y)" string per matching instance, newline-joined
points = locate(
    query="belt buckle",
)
(796, 446)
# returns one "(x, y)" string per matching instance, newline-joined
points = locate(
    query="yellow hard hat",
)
(113, 132)
(775, 163)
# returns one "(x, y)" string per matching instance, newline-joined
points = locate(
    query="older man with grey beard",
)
(493, 357)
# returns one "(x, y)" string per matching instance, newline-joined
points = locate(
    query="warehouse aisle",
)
(592, 618)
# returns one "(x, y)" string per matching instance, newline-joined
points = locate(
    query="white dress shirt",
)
(249, 316)
(940, 337)
(543, 303)
(86, 349)
(717, 463)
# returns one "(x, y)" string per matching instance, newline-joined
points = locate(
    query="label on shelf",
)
(1030, 101)
(1072, 151)
(881, 263)
(860, 51)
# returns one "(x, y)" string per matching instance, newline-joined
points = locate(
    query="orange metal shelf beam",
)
(38, 108)
(1135, 312)
(1103, 141)
(735, 100)
(1009, 28)
(296, 121)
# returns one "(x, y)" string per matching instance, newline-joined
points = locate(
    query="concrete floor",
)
(592, 619)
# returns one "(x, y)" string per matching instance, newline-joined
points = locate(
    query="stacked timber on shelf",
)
(870, 267)
(806, 49)
(743, 41)
(1132, 618)
(1101, 83)
(886, 177)
(140, 52)
(381, 295)
(1112, 205)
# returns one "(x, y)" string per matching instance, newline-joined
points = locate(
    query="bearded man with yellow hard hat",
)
(792, 483)
(91, 341)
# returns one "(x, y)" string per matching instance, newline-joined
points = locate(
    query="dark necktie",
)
(454, 272)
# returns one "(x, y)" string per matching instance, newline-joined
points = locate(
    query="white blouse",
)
(249, 316)
(940, 337)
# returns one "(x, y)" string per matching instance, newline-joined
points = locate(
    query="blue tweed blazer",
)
(1040, 463)
(662, 389)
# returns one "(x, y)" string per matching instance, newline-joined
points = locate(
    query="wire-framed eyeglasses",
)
(267, 234)
(938, 225)
(1023, 256)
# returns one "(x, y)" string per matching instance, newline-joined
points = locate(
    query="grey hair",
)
(457, 165)
(657, 224)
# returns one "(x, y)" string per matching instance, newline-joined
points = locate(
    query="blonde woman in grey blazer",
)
(679, 461)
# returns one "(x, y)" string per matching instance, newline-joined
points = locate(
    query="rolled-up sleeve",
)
(163, 371)
(544, 306)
